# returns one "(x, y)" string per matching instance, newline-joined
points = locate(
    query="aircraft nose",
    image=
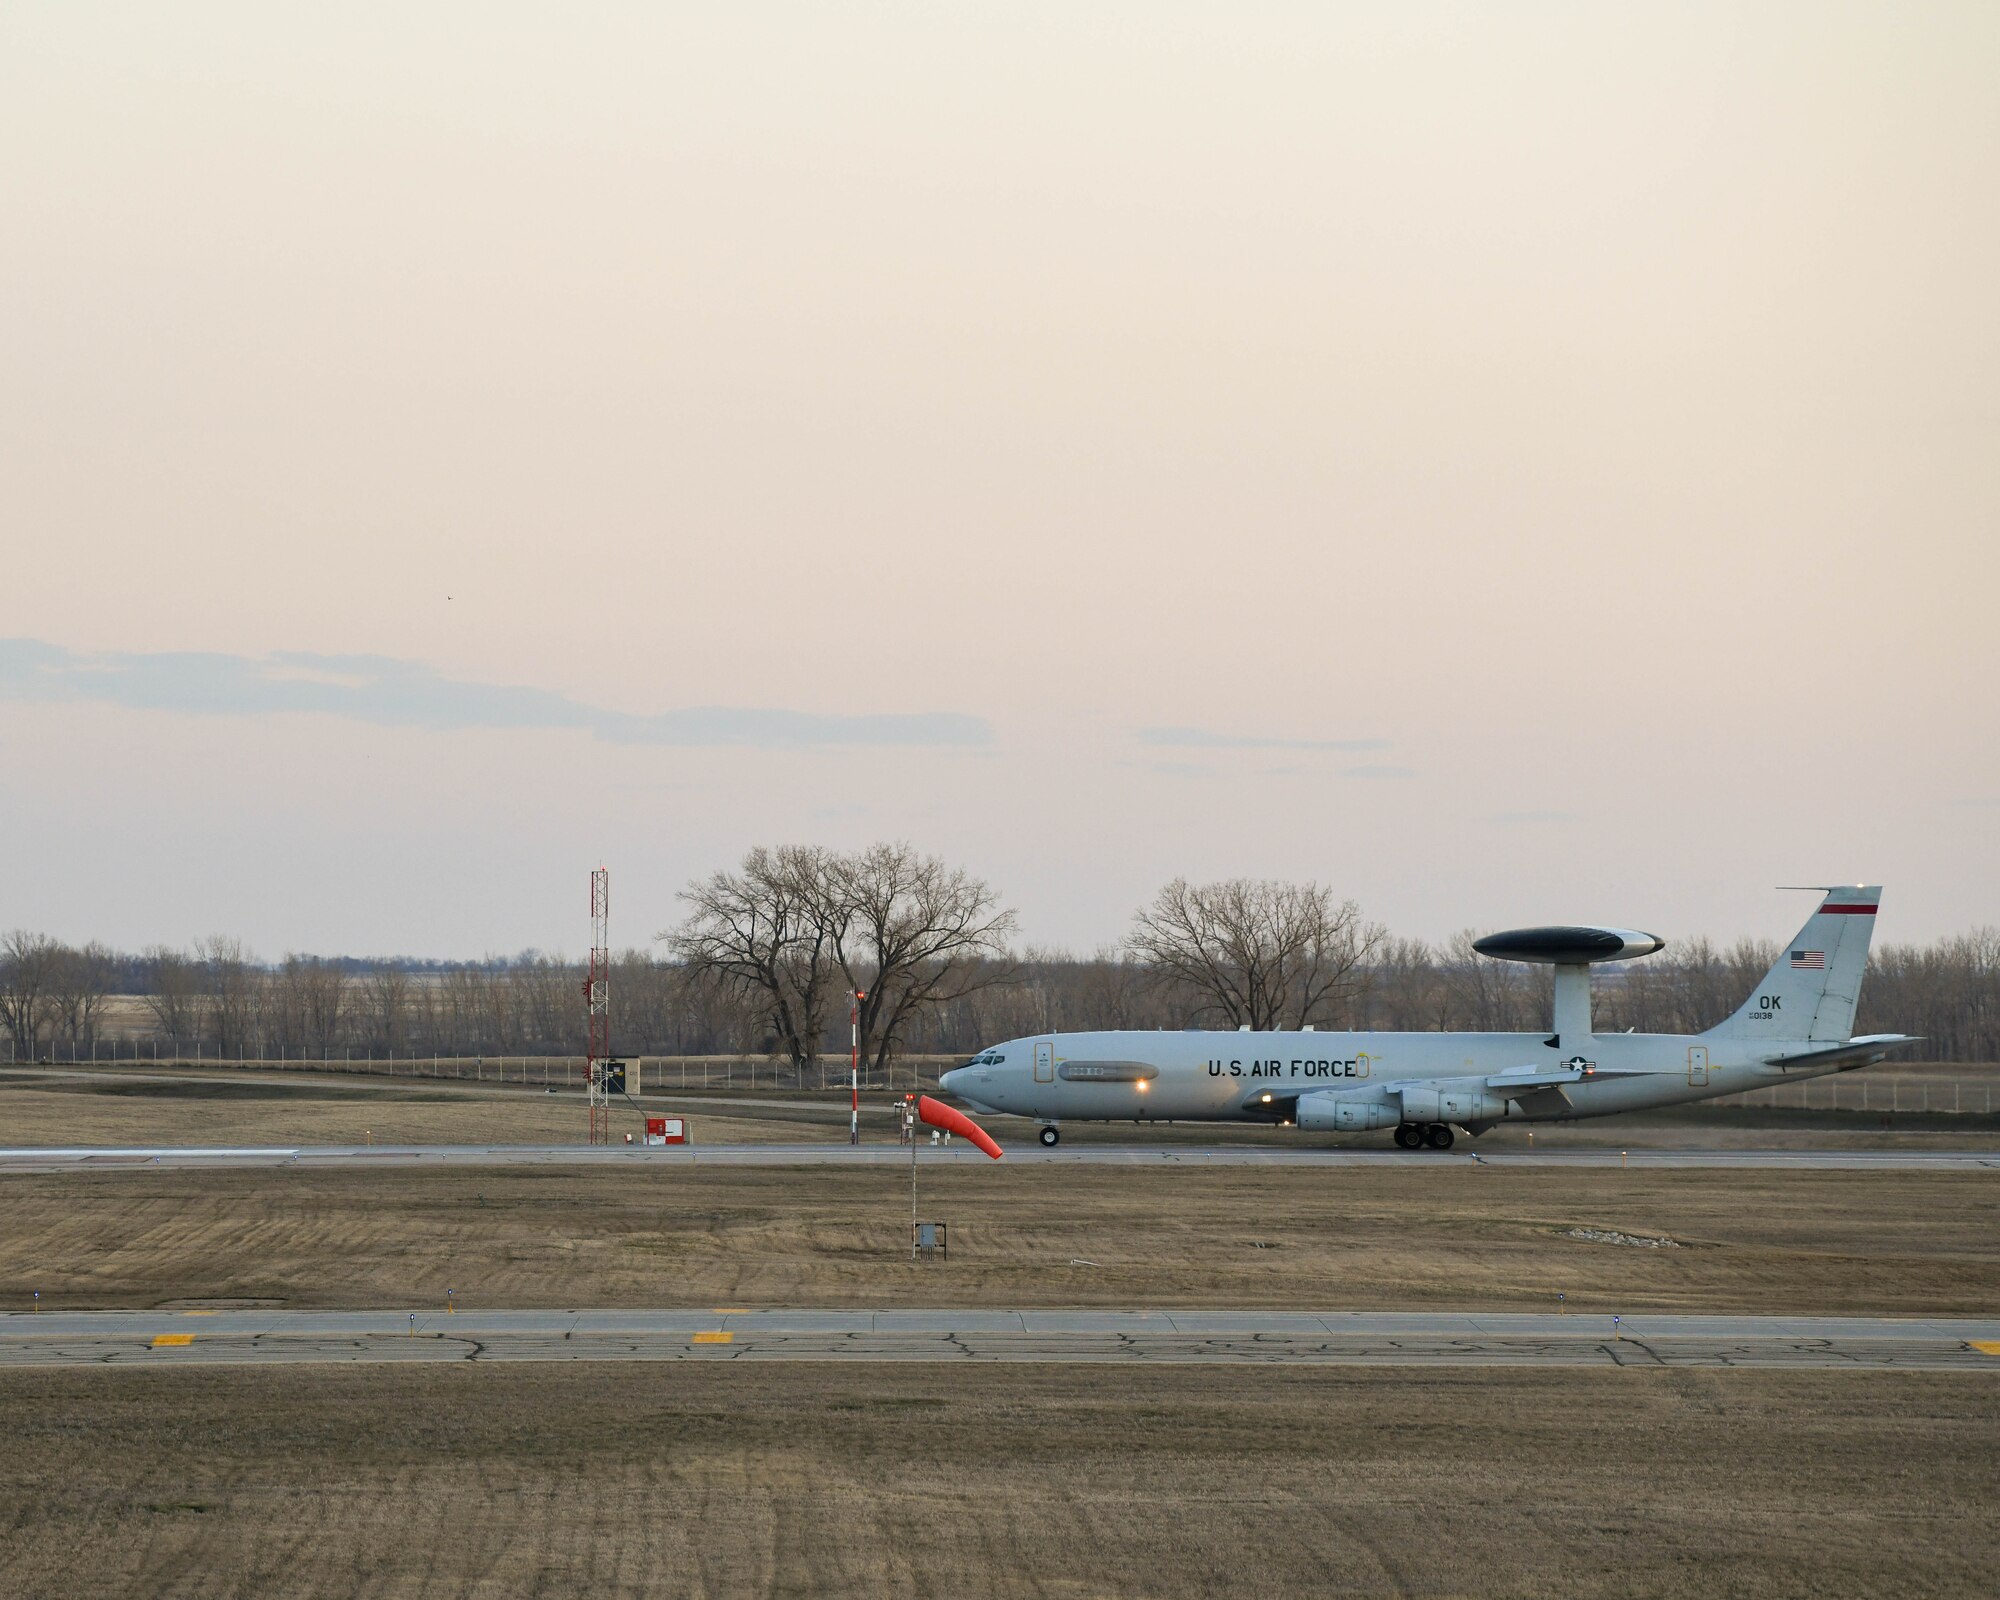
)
(945, 1079)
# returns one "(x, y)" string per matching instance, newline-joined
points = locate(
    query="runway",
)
(94, 1158)
(206, 1338)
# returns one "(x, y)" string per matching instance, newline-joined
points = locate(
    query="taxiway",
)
(206, 1337)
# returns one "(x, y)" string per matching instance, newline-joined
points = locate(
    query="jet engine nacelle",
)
(1444, 1103)
(1346, 1112)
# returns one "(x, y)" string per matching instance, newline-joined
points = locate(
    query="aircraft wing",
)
(1869, 1047)
(1529, 1080)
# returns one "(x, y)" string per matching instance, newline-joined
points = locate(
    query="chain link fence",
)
(644, 1074)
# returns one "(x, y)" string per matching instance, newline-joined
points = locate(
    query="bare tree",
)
(312, 1003)
(544, 995)
(761, 932)
(175, 995)
(1111, 989)
(1703, 991)
(80, 983)
(1258, 953)
(230, 987)
(1410, 992)
(1949, 992)
(1488, 996)
(648, 1002)
(471, 1005)
(910, 934)
(27, 976)
(385, 1000)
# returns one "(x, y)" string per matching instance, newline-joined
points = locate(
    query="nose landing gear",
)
(1414, 1136)
(1050, 1136)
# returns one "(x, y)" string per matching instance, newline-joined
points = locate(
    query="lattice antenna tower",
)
(597, 1000)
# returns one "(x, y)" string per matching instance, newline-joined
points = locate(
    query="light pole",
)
(854, 1065)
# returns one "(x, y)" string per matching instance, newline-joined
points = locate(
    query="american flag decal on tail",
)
(1815, 959)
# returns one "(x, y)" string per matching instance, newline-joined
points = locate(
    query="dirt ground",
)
(922, 1481)
(1388, 1236)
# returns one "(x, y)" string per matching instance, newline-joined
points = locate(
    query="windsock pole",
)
(854, 1065)
(940, 1115)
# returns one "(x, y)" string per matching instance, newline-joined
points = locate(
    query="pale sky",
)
(1511, 463)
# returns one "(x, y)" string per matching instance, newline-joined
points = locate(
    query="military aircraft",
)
(1426, 1085)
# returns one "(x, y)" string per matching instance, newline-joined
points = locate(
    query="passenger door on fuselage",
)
(1045, 1061)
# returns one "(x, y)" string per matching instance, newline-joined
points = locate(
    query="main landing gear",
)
(1051, 1137)
(1414, 1135)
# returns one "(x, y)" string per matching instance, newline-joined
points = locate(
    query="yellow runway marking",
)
(729, 1311)
(1986, 1347)
(197, 1313)
(163, 1340)
(714, 1338)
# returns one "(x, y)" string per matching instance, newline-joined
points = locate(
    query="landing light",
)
(1267, 1099)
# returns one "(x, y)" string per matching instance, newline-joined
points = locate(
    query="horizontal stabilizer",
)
(1860, 1052)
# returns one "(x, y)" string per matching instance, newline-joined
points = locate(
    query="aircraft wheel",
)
(1438, 1136)
(1051, 1137)
(1408, 1136)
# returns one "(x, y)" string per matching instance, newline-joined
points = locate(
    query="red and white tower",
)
(597, 1002)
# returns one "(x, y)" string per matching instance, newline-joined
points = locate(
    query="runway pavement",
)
(813, 1155)
(209, 1337)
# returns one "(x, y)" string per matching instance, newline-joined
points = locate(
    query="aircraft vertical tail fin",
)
(1812, 990)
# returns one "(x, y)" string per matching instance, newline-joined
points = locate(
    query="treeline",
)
(766, 959)
(1948, 992)
(231, 1005)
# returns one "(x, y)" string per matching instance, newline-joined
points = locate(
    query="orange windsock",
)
(940, 1115)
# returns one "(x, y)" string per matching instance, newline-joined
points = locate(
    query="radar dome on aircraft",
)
(1568, 946)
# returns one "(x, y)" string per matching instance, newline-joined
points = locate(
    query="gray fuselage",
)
(1260, 1077)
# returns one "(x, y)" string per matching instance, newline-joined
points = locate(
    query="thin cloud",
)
(391, 692)
(1377, 770)
(1522, 818)
(1207, 739)
(1170, 769)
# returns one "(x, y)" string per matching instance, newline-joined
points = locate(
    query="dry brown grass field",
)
(193, 1107)
(814, 1479)
(1387, 1235)
(802, 1480)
